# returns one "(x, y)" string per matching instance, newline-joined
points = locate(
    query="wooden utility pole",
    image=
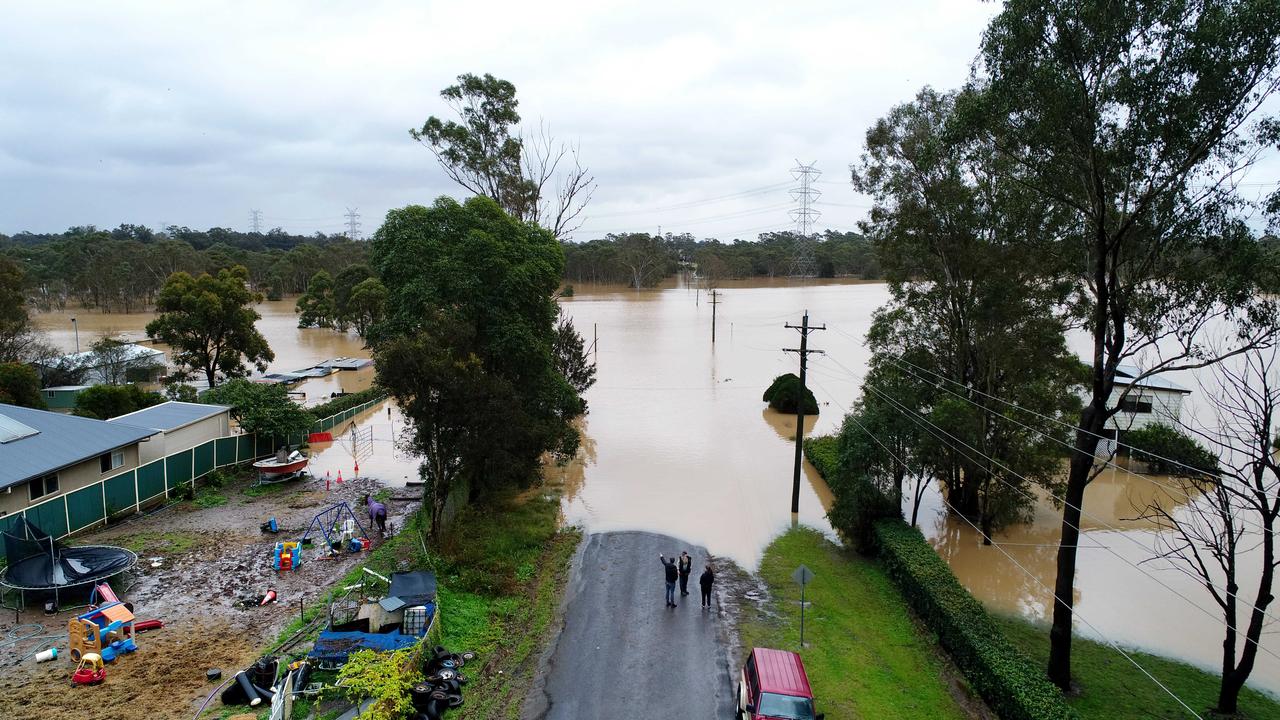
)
(805, 328)
(715, 300)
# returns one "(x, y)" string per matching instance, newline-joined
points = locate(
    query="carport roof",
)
(170, 415)
(59, 441)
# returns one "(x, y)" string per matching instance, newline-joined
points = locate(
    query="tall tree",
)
(969, 305)
(645, 258)
(20, 385)
(317, 307)
(1234, 515)
(365, 305)
(19, 339)
(533, 178)
(208, 321)
(480, 285)
(1137, 119)
(569, 353)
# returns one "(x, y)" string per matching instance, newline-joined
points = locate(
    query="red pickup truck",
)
(774, 686)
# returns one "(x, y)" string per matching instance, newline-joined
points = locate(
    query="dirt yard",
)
(197, 567)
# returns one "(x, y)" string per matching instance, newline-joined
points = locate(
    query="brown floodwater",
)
(678, 441)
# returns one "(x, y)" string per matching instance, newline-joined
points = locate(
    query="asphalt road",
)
(623, 654)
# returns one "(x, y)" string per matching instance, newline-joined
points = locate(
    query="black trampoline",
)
(41, 565)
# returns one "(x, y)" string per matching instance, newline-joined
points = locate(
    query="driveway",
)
(623, 654)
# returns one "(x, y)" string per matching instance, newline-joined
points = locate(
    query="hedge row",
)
(1011, 684)
(346, 402)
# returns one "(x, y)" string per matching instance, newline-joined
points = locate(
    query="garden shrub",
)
(786, 394)
(1007, 680)
(346, 402)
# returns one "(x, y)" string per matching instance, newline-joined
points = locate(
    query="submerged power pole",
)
(805, 328)
(715, 300)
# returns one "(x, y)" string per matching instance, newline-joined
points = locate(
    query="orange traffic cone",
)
(339, 477)
(270, 597)
(357, 469)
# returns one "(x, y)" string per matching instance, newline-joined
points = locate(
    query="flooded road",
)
(678, 442)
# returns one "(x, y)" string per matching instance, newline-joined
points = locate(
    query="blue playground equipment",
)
(337, 525)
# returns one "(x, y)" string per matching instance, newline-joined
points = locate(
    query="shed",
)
(62, 398)
(179, 425)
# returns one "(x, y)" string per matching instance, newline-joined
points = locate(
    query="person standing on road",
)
(686, 568)
(669, 566)
(705, 581)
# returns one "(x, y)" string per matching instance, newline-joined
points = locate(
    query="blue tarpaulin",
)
(334, 647)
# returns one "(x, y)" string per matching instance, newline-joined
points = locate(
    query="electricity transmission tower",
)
(353, 223)
(803, 262)
(255, 221)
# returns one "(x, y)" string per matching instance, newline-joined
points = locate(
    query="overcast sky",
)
(690, 117)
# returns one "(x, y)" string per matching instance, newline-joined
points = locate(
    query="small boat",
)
(284, 463)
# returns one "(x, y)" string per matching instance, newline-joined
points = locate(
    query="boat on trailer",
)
(285, 465)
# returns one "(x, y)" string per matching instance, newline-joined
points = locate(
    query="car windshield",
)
(785, 706)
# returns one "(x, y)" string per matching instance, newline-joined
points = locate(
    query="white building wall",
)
(189, 436)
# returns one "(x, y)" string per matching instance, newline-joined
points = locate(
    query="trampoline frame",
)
(22, 590)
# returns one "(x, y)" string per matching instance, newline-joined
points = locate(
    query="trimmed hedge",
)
(346, 402)
(1012, 686)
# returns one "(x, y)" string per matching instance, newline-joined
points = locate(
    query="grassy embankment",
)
(500, 568)
(865, 655)
(1111, 687)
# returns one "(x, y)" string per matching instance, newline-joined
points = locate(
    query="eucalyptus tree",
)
(972, 311)
(1139, 119)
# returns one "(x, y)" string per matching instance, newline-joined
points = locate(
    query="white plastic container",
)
(47, 655)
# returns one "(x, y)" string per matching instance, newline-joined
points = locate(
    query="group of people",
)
(680, 569)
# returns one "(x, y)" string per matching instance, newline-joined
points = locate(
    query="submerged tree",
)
(532, 177)
(262, 408)
(971, 312)
(1137, 119)
(317, 307)
(1234, 513)
(208, 321)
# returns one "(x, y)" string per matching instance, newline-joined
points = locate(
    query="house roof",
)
(67, 388)
(1126, 373)
(89, 358)
(59, 441)
(170, 415)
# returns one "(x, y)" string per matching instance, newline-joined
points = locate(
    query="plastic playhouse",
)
(106, 631)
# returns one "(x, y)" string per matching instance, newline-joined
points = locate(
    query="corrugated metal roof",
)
(61, 441)
(781, 672)
(170, 415)
(89, 359)
(1126, 373)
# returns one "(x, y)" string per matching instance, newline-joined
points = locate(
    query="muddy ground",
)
(196, 567)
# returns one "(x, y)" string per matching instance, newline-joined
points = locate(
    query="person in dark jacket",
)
(707, 578)
(685, 567)
(671, 574)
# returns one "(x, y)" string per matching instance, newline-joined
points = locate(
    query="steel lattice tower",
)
(255, 221)
(353, 223)
(805, 215)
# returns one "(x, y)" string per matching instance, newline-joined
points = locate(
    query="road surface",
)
(622, 654)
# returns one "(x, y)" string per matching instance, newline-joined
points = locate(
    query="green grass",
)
(209, 498)
(865, 656)
(154, 542)
(1111, 687)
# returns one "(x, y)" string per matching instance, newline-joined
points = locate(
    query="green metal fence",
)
(129, 491)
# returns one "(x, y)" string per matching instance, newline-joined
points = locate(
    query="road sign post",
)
(802, 575)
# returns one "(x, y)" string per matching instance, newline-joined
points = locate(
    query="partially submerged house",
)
(45, 454)
(1146, 402)
(177, 426)
(62, 398)
(125, 363)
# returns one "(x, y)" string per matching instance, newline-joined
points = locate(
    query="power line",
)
(803, 351)
(1037, 580)
(695, 203)
(917, 418)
